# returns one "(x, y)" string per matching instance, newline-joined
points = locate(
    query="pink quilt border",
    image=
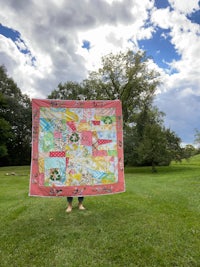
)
(36, 187)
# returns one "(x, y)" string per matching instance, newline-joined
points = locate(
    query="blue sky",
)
(161, 4)
(44, 44)
(160, 47)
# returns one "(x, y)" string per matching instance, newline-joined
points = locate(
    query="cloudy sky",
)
(43, 43)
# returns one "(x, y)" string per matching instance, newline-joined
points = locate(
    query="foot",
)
(69, 209)
(81, 207)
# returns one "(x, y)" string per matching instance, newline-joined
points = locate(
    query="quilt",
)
(77, 148)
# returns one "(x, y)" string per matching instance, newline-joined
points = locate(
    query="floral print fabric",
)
(77, 148)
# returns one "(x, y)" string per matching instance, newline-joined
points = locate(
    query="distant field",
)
(156, 222)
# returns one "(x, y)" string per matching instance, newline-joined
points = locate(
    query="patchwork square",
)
(77, 148)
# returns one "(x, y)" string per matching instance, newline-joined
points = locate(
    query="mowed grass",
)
(156, 222)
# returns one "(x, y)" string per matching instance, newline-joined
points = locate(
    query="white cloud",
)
(54, 33)
(186, 7)
(179, 95)
(185, 37)
(161, 18)
(53, 36)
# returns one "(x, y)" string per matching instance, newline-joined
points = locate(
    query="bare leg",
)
(69, 200)
(80, 203)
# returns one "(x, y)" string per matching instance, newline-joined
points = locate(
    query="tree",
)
(149, 143)
(124, 76)
(152, 149)
(16, 112)
(69, 91)
(151, 140)
(173, 146)
(5, 134)
(189, 151)
(130, 145)
(5, 129)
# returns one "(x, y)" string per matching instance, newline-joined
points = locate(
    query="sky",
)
(44, 43)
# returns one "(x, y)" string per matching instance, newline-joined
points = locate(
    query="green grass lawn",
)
(156, 222)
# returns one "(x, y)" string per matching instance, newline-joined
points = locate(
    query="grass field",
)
(156, 222)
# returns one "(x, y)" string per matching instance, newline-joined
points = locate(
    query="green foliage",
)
(189, 151)
(149, 143)
(15, 113)
(5, 133)
(69, 91)
(154, 223)
(124, 76)
(173, 145)
(152, 148)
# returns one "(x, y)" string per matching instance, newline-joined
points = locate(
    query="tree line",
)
(125, 76)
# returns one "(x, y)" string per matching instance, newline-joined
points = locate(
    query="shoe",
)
(69, 209)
